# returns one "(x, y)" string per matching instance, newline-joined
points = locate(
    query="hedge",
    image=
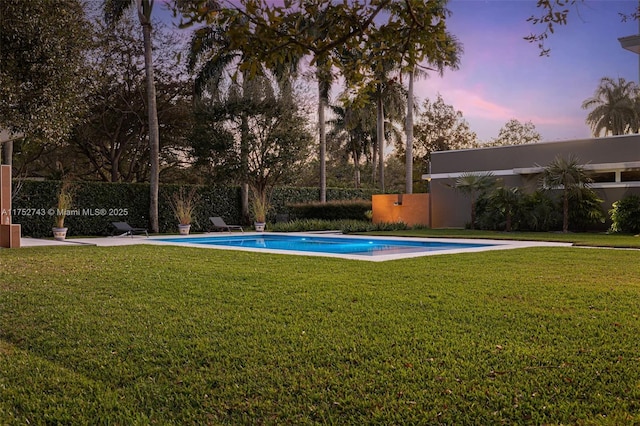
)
(97, 204)
(332, 210)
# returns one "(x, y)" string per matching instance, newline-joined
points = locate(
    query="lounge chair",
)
(124, 229)
(218, 224)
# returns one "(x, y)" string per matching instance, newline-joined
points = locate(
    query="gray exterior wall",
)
(520, 165)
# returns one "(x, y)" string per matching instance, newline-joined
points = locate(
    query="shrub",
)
(585, 210)
(539, 213)
(97, 204)
(625, 215)
(345, 226)
(332, 210)
(499, 210)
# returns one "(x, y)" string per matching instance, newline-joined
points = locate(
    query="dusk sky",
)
(502, 76)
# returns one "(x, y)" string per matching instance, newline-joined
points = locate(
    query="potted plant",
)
(183, 204)
(260, 205)
(64, 201)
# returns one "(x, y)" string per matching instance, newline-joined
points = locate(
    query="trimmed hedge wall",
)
(332, 210)
(97, 204)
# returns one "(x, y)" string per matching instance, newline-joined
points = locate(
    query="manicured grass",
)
(173, 335)
(578, 239)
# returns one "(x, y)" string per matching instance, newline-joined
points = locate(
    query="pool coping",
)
(495, 245)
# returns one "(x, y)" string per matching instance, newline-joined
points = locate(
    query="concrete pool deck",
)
(154, 240)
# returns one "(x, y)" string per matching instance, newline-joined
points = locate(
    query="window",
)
(603, 177)
(630, 176)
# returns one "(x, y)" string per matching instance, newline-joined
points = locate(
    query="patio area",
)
(97, 241)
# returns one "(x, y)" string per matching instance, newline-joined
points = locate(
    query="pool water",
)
(328, 245)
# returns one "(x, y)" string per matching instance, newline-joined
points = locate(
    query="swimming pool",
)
(353, 247)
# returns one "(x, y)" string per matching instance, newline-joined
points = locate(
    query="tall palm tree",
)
(210, 51)
(568, 174)
(324, 78)
(113, 11)
(351, 126)
(614, 106)
(474, 185)
(211, 46)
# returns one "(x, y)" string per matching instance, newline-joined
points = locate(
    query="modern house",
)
(612, 162)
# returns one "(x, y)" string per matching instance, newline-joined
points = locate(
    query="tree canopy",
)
(615, 107)
(41, 66)
(516, 133)
(441, 127)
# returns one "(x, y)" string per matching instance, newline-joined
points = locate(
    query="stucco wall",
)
(412, 209)
(509, 163)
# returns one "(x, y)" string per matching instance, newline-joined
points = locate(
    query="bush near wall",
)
(283, 198)
(625, 215)
(332, 210)
(97, 204)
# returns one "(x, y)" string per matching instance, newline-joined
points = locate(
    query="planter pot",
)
(259, 226)
(184, 229)
(59, 233)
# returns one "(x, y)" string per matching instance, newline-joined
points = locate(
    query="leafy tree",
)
(554, 13)
(440, 128)
(516, 133)
(325, 29)
(114, 10)
(278, 35)
(425, 46)
(113, 137)
(474, 185)
(41, 67)
(614, 108)
(278, 138)
(569, 175)
(209, 53)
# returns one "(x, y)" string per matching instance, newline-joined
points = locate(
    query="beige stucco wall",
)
(451, 209)
(412, 209)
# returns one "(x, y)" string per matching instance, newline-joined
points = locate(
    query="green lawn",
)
(578, 239)
(173, 335)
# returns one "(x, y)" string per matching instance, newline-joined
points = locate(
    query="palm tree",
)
(211, 45)
(451, 59)
(211, 52)
(570, 176)
(474, 185)
(351, 127)
(506, 200)
(114, 10)
(408, 168)
(324, 78)
(614, 106)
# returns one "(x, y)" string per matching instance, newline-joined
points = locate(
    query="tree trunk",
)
(473, 213)
(565, 212)
(409, 134)
(154, 138)
(356, 167)
(322, 101)
(244, 157)
(7, 153)
(380, 137)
